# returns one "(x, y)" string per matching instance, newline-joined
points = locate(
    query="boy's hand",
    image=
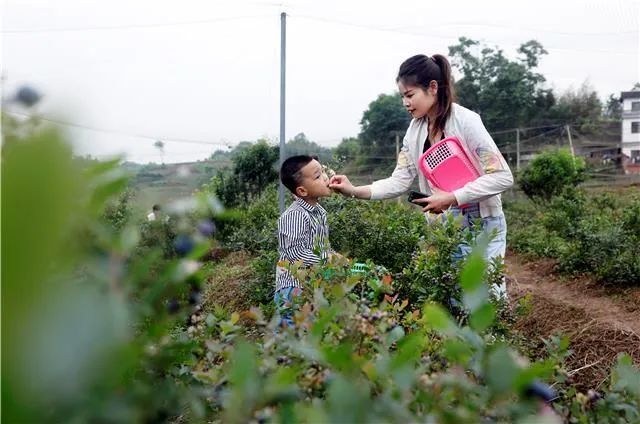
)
(338, 259)
(336, 256)
(341, 184)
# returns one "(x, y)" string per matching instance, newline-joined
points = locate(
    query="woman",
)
(426, 87)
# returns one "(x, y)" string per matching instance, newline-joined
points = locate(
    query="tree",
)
(507, 93)
(301, 145)
(348, 149)
(581, 108)
(379, 124)
(613, 108)
(253, 170)
(160, 146)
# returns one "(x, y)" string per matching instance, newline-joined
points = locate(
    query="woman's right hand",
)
(341, 184)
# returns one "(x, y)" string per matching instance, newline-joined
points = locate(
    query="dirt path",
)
(600, 322)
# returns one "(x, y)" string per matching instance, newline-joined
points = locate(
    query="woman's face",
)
(417, 100)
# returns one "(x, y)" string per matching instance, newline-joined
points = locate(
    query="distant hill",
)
(163, 183)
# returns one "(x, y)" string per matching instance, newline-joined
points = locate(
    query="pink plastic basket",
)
(447, 166)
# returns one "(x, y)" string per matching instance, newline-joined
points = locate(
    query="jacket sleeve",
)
(496, 176)
(400, 180)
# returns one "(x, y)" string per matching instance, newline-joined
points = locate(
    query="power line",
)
(112, 131)
(524, 129)
(132, 26)
(369, 27)
(528, 140)
(476, 24)
(445, 37)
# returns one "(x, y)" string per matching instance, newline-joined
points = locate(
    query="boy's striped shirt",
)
(303, 236)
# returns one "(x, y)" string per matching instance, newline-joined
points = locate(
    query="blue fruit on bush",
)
(593, 396)
(195, 297)
(173, 306)
(207, 227)
(541, 391)
(27, 96)
(183, 244)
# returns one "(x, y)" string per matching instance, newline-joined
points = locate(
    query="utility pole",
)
(283, 49)
(398, 155)
(568, 129)
(573, 152)
(517, 149)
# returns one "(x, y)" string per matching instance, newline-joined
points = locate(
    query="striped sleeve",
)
(294, 237)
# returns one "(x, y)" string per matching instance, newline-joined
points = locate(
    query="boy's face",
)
(314, 182)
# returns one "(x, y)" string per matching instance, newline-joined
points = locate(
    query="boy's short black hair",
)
(156, 207)
(290, 170)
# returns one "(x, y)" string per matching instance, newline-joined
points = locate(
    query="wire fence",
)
(599, 145)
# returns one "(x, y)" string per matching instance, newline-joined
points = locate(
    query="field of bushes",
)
(107, 318)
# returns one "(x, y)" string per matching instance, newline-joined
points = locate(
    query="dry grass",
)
(599, 325)
(226, 284)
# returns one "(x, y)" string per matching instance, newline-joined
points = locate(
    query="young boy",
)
(154, 214)
(303, 233)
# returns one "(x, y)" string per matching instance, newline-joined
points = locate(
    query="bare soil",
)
(601, 321)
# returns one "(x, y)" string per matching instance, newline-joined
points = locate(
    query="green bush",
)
(253, 170)
(253, 227)
(118, 212)
(354, 359)
(384, 232)
(594, 234)
(431, 275)
(262, 285)
(550, 173)
(90, 336)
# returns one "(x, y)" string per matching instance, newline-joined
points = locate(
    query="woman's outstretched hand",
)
(438, 202)
(341, 184)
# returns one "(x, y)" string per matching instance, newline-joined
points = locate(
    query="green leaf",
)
(501, 371)
(476, 298)
(394, 335)
(338, 291)
(245, 365)
(483, 317)
(348, 400)
(439, 319)
(537, 370)
(457, 351)
(246, 384)
(340, 356)
(408, 351)
(200, 250)
(326, 315)
(128, 239)
(473, 273)
(109, 184)
(626, 376)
